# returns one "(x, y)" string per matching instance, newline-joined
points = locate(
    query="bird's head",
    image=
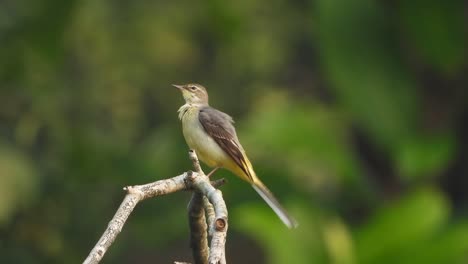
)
(193, 93)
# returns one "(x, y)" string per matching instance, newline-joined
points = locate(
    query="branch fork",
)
(207, 214)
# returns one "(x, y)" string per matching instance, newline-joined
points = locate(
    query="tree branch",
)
(218, 228)
(209, 213)
(218, 223)
(200, 184)
(198, 229)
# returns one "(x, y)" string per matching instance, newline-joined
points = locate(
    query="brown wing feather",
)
(219, 126)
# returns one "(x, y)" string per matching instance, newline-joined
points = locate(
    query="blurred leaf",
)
(427, 156)
(438, 30)
(314, 138)
(310, 138)
(359, 54)
(282, 245)
(448, 246)
(164, 155)
(18, 183)
(339, 242)
(401, 225)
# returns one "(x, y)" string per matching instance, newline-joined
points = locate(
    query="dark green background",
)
(354, 112)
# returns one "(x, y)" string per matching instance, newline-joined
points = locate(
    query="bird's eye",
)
(193, 88)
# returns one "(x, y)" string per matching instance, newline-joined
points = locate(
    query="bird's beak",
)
(180, 87)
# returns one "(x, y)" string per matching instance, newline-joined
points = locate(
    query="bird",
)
(212, 135)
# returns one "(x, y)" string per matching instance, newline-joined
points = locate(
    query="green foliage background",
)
(354, 113)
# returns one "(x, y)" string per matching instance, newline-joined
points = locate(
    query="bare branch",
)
(220, 225)
(196, 164)
(202, 187)
(113, 229)
(135, 194)
(198, 229)
(209, 214)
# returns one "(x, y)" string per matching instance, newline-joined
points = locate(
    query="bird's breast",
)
(207, 149)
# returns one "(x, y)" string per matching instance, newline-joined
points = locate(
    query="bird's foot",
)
(211, 172)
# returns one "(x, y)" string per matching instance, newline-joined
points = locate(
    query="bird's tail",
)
(270, 199)
(247, 173)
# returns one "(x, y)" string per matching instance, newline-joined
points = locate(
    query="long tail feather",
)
(270, 199)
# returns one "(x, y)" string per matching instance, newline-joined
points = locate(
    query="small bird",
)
(212, 135)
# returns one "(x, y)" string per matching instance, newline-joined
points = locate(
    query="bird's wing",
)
(218, 126)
